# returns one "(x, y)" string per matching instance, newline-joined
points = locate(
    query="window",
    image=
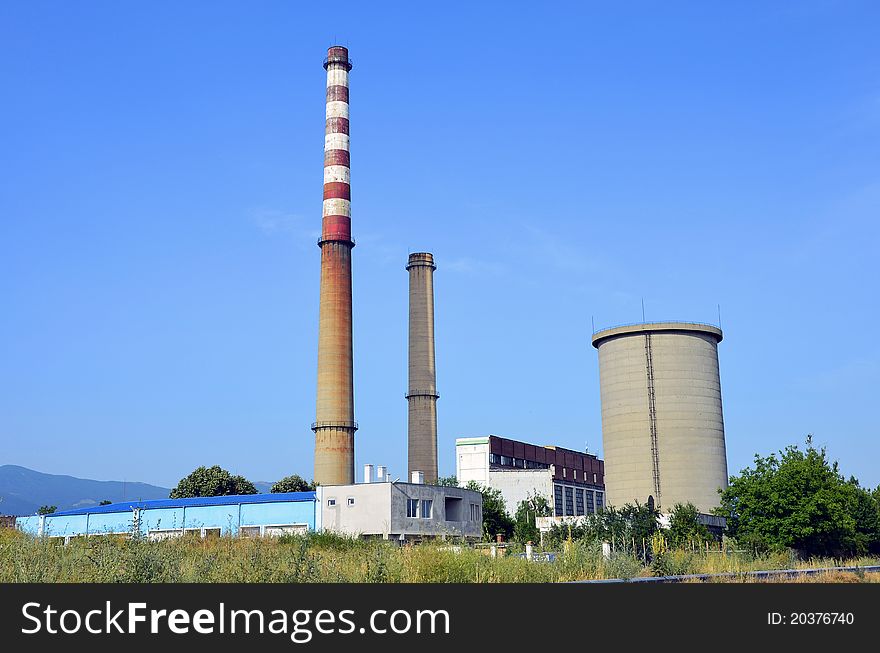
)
(507, 461)
(331, 503)
(494, 459)
(579, 502)
(249, 531)
(453, 508)
(475, 512)
(564, 472)
(594, 478)
(427, 508)
(350, 501)
(412, 507)
(557, 500)
(590, 506)
(600, 500)
(569, 501)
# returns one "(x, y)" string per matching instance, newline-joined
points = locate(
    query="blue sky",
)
(161, 174)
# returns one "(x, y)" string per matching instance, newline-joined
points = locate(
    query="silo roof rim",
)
(642, 327)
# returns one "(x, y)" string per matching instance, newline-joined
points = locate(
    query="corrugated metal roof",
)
(155, 504)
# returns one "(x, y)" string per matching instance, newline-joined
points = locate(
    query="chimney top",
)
(337, 54)
(421, 259)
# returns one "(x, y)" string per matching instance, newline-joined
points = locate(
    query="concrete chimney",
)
(417, 477)
(368, 473)
(422, 394)
(334, 425)
(381, 474)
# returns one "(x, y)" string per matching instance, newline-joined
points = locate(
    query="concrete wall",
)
(370, 514)
(437, 525)
(472, 460)
(689, 427)
(519, 485)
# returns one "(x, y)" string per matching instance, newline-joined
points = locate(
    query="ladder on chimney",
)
(652, 417)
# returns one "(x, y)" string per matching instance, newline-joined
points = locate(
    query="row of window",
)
(332, 502)
(572, 501)
(508, 461)
(584, 476)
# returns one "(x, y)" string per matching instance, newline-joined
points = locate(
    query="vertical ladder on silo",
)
(652, 417)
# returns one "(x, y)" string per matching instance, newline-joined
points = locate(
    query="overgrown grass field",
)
(327, 558)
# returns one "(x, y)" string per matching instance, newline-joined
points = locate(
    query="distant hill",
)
(23, 491)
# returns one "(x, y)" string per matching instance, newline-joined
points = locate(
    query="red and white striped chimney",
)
(334, 425)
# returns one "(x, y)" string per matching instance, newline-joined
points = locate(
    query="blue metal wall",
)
(225, 516)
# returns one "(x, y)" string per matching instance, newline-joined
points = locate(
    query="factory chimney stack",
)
(334, 425)
(422, 395)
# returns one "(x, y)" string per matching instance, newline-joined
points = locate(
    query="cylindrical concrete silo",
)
(662, 426)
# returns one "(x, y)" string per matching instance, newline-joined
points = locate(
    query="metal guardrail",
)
(632, 324)
(743, 575)
(348, 63)
(336, 425)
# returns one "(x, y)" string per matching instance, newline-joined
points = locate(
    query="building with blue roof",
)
(388, 510)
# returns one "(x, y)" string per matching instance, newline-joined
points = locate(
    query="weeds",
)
(328, 558)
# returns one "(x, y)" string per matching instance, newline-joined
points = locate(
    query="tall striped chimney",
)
(334, 425)
(422, 395)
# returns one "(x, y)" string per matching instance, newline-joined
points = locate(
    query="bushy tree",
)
(292, 483)
(496, 521)
(211, 482)
(628, 528)
(524, 528)
(47, 510)
(685, 528)
(799, 500)
(447, 481)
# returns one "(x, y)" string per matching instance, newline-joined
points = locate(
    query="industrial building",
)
(573, 482)
(422, 394)
(662, 425)
(401, 511)
(391, 510)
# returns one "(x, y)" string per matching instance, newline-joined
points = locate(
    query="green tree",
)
(800, 500)
(47, 510)
(447, 481)
(524, 528)
(685, 528)
(211, 482)
(628, 528)
(496, 521)
(293, 483)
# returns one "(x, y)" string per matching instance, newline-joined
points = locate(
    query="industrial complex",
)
(388, 510)
(662, 424)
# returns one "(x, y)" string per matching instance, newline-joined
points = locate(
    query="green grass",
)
(328, 558)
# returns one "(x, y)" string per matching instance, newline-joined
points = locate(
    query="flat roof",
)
(466, 441)
(153, 504)
(648, 327)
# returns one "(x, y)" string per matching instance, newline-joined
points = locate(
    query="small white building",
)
(400, 511)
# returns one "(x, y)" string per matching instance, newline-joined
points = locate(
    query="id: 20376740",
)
(810, 619)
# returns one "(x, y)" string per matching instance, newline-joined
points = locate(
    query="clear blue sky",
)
(161, 169)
